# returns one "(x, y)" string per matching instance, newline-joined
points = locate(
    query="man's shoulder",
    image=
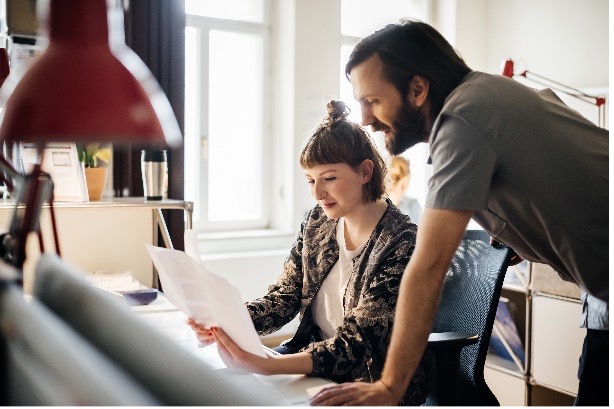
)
(479, 100)
(478, 89)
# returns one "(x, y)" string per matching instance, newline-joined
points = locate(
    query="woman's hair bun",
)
(337, 110)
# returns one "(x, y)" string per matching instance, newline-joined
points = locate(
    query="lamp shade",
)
(87, 86)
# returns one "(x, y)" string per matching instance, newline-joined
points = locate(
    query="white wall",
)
(316, 80)
(566, 40)
(251, 273)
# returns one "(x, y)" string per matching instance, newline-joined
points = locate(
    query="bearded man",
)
(530, 170)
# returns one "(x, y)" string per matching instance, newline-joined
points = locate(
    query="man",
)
(528, 169)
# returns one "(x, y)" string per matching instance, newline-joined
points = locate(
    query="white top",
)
(327, 307)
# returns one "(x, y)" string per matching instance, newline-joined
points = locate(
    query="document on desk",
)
(205, 296)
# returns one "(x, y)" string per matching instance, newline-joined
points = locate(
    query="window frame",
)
(205, 25)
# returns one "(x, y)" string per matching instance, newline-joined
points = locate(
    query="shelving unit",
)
(110, 234)
(545, 312)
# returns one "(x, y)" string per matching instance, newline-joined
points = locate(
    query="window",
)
(359, 18)
(225, 114)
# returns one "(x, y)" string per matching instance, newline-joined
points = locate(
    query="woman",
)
(343, 272)
(400, 175)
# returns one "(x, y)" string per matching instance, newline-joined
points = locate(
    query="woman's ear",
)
(418, 91)
(366, 170)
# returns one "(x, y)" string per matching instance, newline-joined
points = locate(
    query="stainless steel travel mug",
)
(154, 169)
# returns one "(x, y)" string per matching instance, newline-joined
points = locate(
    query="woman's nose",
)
(318, 192)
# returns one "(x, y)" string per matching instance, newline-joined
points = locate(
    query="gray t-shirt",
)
(534, 171)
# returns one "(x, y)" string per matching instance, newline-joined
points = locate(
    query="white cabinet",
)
(508, 387)
(556, 343)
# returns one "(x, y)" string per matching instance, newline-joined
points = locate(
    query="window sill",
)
(230, 243)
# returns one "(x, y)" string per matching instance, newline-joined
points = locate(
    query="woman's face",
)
(338, 188)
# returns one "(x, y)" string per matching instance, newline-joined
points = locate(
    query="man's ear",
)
(418, 91)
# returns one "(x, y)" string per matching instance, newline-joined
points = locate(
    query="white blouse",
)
(327, 307)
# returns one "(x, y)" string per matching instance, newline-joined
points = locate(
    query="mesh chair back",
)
(469, 304)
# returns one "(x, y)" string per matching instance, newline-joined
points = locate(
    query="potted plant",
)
(96, 161)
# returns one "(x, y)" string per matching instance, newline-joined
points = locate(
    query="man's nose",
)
(367, 117)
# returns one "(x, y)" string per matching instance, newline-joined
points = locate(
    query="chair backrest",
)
(164, 368)
(45, 362)
(468, 304)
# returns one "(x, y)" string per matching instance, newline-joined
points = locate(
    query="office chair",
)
(464, 321)
(170, 373)
(44, 362)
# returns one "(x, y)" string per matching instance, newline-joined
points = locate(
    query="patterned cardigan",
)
(358, 350)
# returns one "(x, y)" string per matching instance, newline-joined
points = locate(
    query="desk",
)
(296, 389)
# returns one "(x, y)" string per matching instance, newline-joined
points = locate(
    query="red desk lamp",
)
(87, 86)
(507, 70)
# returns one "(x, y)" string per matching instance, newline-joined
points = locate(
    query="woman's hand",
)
(204, 335)
(237, 359)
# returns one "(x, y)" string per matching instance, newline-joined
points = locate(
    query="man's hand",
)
(355, 394)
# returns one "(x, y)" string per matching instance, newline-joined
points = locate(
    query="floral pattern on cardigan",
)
(358, 350)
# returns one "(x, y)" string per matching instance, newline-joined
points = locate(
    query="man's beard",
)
(409, 129)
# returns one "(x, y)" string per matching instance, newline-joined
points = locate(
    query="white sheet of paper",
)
(205, 296)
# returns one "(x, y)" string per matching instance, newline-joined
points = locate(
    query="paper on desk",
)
(205, 296)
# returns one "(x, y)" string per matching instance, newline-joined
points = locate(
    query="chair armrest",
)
(447, 346)
(450, 340)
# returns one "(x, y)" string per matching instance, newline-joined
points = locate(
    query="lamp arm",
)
(508, 71)
(8, 173)
(574, 92)
(37, 189)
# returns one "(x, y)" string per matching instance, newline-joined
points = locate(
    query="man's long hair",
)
(412, 48)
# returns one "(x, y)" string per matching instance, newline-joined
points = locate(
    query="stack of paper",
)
(114, 281)
(204, 296)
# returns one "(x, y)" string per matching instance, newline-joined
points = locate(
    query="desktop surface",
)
(161, 314)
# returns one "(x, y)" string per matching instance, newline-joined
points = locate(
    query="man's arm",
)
(439, 235)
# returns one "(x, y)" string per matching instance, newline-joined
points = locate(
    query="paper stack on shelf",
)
(114, 280)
